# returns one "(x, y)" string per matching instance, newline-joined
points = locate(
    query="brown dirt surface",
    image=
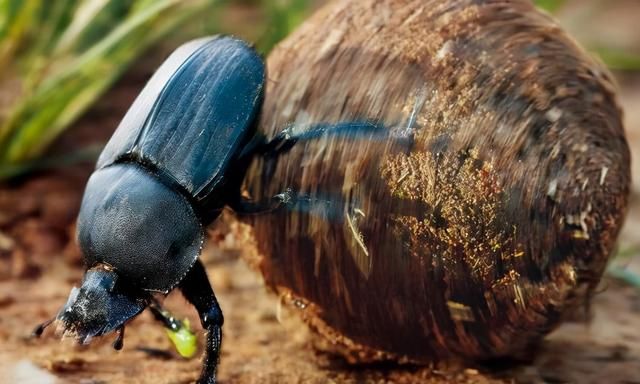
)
(265, 342)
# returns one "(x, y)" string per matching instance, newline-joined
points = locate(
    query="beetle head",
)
(101, 305)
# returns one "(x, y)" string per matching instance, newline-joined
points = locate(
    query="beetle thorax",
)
(147, 231)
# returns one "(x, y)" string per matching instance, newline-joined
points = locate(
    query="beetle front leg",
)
(197, 290)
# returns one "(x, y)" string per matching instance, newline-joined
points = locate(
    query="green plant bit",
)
(183, 339)
(179, 332)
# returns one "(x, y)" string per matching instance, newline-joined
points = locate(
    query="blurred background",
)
(69, 71)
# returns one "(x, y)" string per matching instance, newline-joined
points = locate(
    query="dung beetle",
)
(491, 228)
(176, 159)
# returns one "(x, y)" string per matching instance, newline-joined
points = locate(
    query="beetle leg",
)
(37, 332)
(245, 206)
(119, 341)
(364, 129)
(162, 315)
(197, 290)
(402, 138)
(356, 129)
(327, 208)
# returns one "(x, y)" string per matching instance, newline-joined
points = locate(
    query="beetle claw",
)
(285, 197)
(119, 341)
(37, 331)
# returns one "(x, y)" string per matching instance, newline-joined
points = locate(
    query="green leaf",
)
(183, 339)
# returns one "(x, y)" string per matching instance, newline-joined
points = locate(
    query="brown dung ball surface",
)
(485, 213)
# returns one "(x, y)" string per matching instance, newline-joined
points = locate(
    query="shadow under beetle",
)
(176, 159)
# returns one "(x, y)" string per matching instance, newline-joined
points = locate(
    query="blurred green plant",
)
(614, 58)
(58, 57)
(618, 59)
(549, 5)
(283, 16)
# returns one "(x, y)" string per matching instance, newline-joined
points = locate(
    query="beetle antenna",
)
(119, 342)
(37, 331)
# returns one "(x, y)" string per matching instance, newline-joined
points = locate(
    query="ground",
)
(264, 343)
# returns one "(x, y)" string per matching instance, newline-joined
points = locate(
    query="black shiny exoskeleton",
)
(177, 158)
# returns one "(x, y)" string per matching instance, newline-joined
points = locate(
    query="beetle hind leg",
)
(37, 331)
(332, 209)
(119, 341)
(402, 134)
(354, 130)
(197, 290)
